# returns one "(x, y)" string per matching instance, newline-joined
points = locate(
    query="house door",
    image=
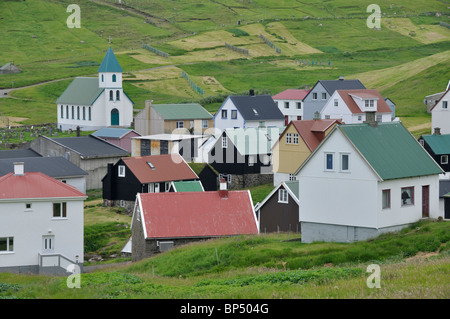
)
(48, 244)
(446, 207)
(425, 201)
(286, 120)
(114, 117)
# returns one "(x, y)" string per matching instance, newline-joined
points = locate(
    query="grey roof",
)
(112, 132)
(82, 91)
(444, 187)
(18, 153)
(51, 166)
(90, 146)
(341, 84)
(257, 107)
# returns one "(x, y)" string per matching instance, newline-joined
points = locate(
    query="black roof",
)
(257, 107)
(444, 187)
(90, 146)
(18, 153)
(341, 84)
(51, 166)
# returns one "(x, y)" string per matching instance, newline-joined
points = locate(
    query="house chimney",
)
(437, 131)
(341, 78)
(19, 168)
(223, 191)
(316, 115)
(370, 119)
(252, 92)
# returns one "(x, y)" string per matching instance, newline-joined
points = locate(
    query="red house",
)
(164, 220)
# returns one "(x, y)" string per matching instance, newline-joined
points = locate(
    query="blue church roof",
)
(110, 63)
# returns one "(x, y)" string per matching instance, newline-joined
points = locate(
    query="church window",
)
(114, 78)
(117, 95)
(111, 95)
(103, 78)
(62, 111)
(73, 112)
(67, 111)
(89, 113)
(84, 113)
(78, 112)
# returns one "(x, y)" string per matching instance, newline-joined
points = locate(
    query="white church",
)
(93, 103)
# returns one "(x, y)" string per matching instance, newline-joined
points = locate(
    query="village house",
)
(92, 103)
(432, 99)
(246, 111)
(41, 223)
(440, 114)
(162, 221)
(184, 118)
(118, 136)
(320, 93)
(143, 174)
(90, 153)
(290, 103)
(364, 180)
(243, 156)
(438, 146)
(351, 106)
(56, 167)
(295, 144)
(279, 211)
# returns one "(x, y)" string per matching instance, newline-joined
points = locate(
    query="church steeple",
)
(110, 71)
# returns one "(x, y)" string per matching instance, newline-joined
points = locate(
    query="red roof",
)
(197, 214)
(291, 94)
(346, 95)
(170, 167)
(35, 185)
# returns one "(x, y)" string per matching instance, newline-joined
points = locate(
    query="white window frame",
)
(314, 96)
(62, 210)
(386, 191)
(445, 105)
(326, 161)
(348, 163)
(121, 170)
(224, 142)
(298, 105)
(224, 112)
(292, 177)
(295, 138)
(288, 138)
(234, 114)
(336, 102)
(9, 245)
(180, 124)
(204, 123)
(412, 199)
(444, 159)
(286, 104)
(324, 95)
(283, 196)
(251, 160)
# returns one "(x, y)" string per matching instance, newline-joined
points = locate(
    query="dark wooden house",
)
(438, 146)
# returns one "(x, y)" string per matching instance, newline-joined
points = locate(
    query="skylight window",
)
(151, 165)
(255, 111)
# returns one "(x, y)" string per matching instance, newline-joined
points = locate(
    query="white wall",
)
(271, 123)
(221, 123)
(108, 83)
(28, 226)
(292, 111)
(441, 117)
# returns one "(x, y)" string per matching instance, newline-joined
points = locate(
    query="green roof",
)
(252, 141)
(188, 186)
(110, 63)
(186, 111)
(391, 150)
(82, 91)
(440, 144)
(293, 186)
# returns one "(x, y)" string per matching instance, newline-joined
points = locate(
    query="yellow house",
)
(295, 144)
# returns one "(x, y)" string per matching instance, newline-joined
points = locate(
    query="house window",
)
(111, 95)
(444, 159)
(379, 118)
(386, 199)
(226, 177)
(118, 95)
(336, 102)
(369, 103)
(327, 117)
(345, 162)
(28, 206)
(251, 160)
(121, 172)
(282, 196)
(314, 97)
(444, 104)
(6, 244)
(324, 96)
(288, 138)
(286, 105)
(295, 138)
(298, 105)
(59, 210)
(224, 142)
(204, 123)
(224, 114)
(114, 78)
(359, 118)
(180, 124)
(292, 177)
(407, 196)
(329, 159)
(233, 114)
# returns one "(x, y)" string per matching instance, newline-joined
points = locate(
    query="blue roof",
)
(110, 63)
(112, 132)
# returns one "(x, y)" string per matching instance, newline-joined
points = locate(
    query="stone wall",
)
(249, 180)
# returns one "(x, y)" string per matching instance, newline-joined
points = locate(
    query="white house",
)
(245, 111)
(94, 103)
(440, 114)
(290, 103)
(41, 223)
(352, 106)
(364, 180)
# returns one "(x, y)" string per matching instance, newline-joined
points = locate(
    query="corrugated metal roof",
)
(293, 186)
(110, 63)
(112, 132)
(163, 168)
(188, 186)
(51, 166)
(35, 185)
(440, 144)
(90, 146)
(391, 150)
(82, 91)
(291, 94)
(185, 111)
(252, 141)
(197, 214)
